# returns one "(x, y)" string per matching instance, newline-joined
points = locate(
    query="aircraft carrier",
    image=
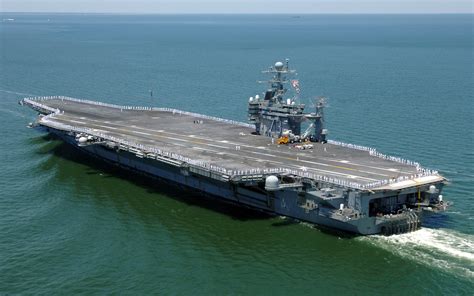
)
(280, 162)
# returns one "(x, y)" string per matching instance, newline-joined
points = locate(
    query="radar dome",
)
(272, 183)
(278, 66)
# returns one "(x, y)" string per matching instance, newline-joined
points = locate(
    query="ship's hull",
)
(281, 202)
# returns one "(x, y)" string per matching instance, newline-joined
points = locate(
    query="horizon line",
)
(240, 13)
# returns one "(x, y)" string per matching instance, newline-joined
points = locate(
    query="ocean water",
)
(400, 83)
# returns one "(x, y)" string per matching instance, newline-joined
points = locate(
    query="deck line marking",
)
(218, 146)
(141, 133)
(77, 121)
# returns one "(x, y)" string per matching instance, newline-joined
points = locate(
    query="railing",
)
(35, 102)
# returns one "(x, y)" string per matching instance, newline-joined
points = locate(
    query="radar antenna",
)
(277, 90)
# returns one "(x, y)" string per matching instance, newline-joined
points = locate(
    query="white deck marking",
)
(177, 139)
(218, 146)
(340, 174)
(324, 164)
(351, 169)
(141, 133)
(77, 121)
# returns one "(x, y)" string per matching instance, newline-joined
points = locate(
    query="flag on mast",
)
(296, 85)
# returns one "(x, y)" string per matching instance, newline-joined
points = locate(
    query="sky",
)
(239, 6)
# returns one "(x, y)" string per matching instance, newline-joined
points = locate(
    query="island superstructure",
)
(280, 162)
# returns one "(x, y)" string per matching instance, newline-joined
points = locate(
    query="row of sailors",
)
(373, 152)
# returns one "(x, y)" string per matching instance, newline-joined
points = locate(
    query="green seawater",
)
(72, 225)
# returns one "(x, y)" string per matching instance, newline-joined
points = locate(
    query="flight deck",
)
(224, 143)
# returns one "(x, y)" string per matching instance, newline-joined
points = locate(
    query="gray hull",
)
(279, 203)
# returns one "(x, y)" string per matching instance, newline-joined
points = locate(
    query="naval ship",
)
(281, 161)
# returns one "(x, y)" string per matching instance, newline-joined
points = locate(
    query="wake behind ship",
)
(281, 162)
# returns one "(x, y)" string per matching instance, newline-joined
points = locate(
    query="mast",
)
(277, 90)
